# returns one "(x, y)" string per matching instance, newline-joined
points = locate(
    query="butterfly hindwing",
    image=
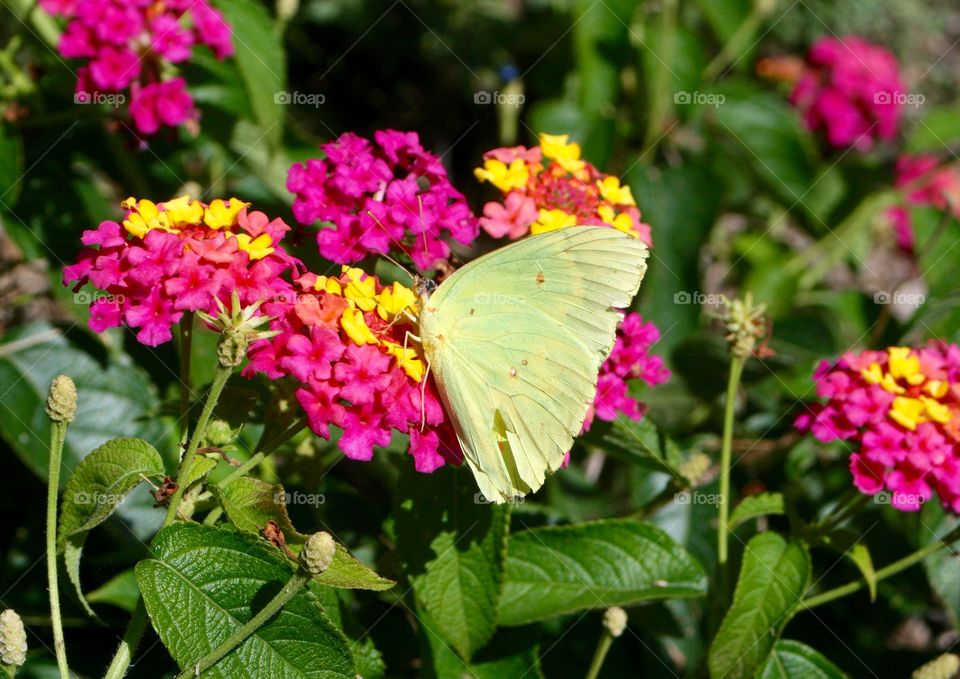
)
(516, 339)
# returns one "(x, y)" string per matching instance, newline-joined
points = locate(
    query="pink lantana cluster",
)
(630, 359)
(851, 91)
(925, 182)
(182, 255)
(131, 44)
(901, 408)
(378, 195)
(344, 341)
(549, 187)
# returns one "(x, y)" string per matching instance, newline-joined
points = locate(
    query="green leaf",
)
(200, 466)
(115, 398)
(11, 164)
(121, 591)
(511, 653)
(773, 579)
(943, 567)
(205, 583)
(850, 545)
(96, 488)
(641, 443)
(250, 503)
(755, 506)
(261, 58)
(617, 562)
(453, 545)
(793, 660)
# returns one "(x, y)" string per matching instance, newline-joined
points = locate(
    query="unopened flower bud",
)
(13, 638)
(239, 326)
(694, 468)
(317, 554)
(62, 399)
(615, 620)
(944, 667)
(219, 433)
(746, 323)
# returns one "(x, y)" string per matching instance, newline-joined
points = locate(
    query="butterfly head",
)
(423, 286)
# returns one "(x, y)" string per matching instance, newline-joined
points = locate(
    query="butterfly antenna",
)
(426, 253)
(397, 243)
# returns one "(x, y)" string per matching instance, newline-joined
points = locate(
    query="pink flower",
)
(901, 411)
(851, 91)
(378, 195)
(163, 103)
(513, 218)
(150, 270)
(134, 45)
(630, 359)
(925, 182)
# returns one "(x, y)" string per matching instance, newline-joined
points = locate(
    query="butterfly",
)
(514, 341)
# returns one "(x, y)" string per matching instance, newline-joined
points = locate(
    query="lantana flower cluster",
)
(901, 408)
(549, 187)
(133, 45)
(382, 194)
(344, 340)
(629, 360)
(182, 255)
(851, 91)
(925, 182)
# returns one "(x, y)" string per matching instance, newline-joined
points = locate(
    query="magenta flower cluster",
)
(389, 193)
(629, 360)
(851, 91)
(900, 408)
(925, 181)
(130, 45)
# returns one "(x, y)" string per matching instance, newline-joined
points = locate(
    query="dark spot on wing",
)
(513, 372)
(471, 311)
(524, 361)
(540, 278)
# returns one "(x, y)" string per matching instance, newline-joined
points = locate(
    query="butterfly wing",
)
(515, 341)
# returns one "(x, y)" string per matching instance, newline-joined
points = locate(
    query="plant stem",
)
(128, 645)
(599, 655)
(186, 343)
(58, 431)
(296, 582)
(219, 381)
(736, 369)
(843, 511)
(727, 58)
(264, 449)
(894, 568)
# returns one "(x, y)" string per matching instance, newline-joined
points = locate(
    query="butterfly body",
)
(515, 340)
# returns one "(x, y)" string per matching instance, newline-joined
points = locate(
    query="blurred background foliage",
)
(739, 196)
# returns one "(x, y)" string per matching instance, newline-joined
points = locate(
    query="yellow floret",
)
(356, 327)
(551, 220)
(611, 190)
(256, 248)
(504, 177)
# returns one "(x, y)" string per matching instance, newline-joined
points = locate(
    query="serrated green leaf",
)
(453, 545)
(793, 660)
(199, 468)
(773, 579)
(347, 572)
(755, 506)
(205, 583)
(617, 562)
(943, 567)
(96, 488)
(250, 503)
(641, 443)
(850, 545)
(121, 591)
(262, 62)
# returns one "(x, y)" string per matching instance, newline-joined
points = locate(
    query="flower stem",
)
(128, 645)
(219, 381)
(186, 343)
(894, 568)
(736, 370)
(599, 655)
(296, 582)
(264, 448)
(58, 431)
